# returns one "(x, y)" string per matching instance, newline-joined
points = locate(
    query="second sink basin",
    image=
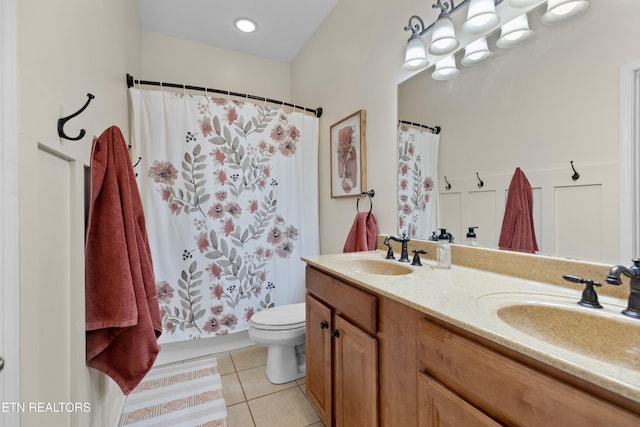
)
(593, 333)
(377, 266)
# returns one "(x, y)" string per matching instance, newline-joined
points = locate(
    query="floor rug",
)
(180, 394)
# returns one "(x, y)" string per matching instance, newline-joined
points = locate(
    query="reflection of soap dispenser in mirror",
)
(443, 250)
(471, 237)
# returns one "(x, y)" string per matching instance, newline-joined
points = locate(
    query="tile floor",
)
(252, 401)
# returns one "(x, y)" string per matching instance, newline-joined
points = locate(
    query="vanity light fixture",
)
(515, 32)
(245, 25)
(481, 16)
(476, 52)
(562, 10)
(446, 68)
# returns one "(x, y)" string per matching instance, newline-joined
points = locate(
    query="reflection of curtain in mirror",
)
(417, 180)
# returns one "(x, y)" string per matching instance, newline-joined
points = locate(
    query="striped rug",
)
(183, 394)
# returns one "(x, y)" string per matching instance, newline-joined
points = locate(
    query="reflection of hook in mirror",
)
(480, 182)
(575, 175)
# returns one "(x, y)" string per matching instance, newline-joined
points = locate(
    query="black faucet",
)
(633, 272)
(416, 256)
(404, 254)
(589, 295)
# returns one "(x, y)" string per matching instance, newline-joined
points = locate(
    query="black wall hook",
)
(575, 175)
(62, 121)
(448, 186)
(480, 182)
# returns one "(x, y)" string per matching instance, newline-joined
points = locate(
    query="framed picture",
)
(348, 156)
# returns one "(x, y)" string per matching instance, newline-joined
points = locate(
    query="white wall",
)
(353, 62)
(9, 215)
(174, 60)
(65, 50)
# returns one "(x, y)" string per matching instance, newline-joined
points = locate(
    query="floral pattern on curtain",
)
(230, 196)
(417, 180)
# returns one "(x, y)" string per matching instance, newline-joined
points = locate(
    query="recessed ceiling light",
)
(245, 25)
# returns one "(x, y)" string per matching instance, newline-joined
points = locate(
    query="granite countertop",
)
(470, 299)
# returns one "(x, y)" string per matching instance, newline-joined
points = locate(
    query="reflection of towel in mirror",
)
(362, 236)
(122, 312)
(517, 232)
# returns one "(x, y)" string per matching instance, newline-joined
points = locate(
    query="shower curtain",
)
(230, 193)
(417, 180)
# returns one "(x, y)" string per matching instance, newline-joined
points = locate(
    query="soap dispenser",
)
(443, 250)
(471, 237)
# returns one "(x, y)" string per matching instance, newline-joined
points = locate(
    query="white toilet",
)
(282, 330)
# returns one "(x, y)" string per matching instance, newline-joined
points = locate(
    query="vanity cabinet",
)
(373, 360)
(458, 374)
(341, 352)
(440, 407)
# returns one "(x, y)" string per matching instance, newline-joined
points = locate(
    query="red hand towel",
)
(517, 232)
(123, 318)
(362, 236)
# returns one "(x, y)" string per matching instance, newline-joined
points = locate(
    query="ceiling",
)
(284, 26)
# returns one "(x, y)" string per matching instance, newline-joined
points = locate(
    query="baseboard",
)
(183, 350)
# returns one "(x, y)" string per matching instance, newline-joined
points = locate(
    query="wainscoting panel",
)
(579, 222)
(450, 212)
(482, 212)
(576, 219)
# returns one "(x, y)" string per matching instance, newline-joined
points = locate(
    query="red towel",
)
(123, 318)
(517, 232)
(362, 236)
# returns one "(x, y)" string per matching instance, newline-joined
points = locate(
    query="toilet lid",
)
(289, 316)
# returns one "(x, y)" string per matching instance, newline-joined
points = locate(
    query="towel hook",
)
(448, 186)
(62, 121)
(575, 175)
(480, 182)
(369, 193)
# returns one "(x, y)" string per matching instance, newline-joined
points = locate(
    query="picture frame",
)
(348, 156)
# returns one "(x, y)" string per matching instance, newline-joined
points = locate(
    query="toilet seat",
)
(286, 317)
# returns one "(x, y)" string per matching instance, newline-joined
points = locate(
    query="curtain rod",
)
(436, 130)
(131, 82)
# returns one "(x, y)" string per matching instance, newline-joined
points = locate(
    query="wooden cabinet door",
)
(440, 407)
(318, 354)
(355, 376)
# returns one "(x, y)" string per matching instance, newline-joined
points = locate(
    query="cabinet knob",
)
(324, 324)
(335, 333)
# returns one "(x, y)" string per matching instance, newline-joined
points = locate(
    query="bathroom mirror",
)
(539, 106)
